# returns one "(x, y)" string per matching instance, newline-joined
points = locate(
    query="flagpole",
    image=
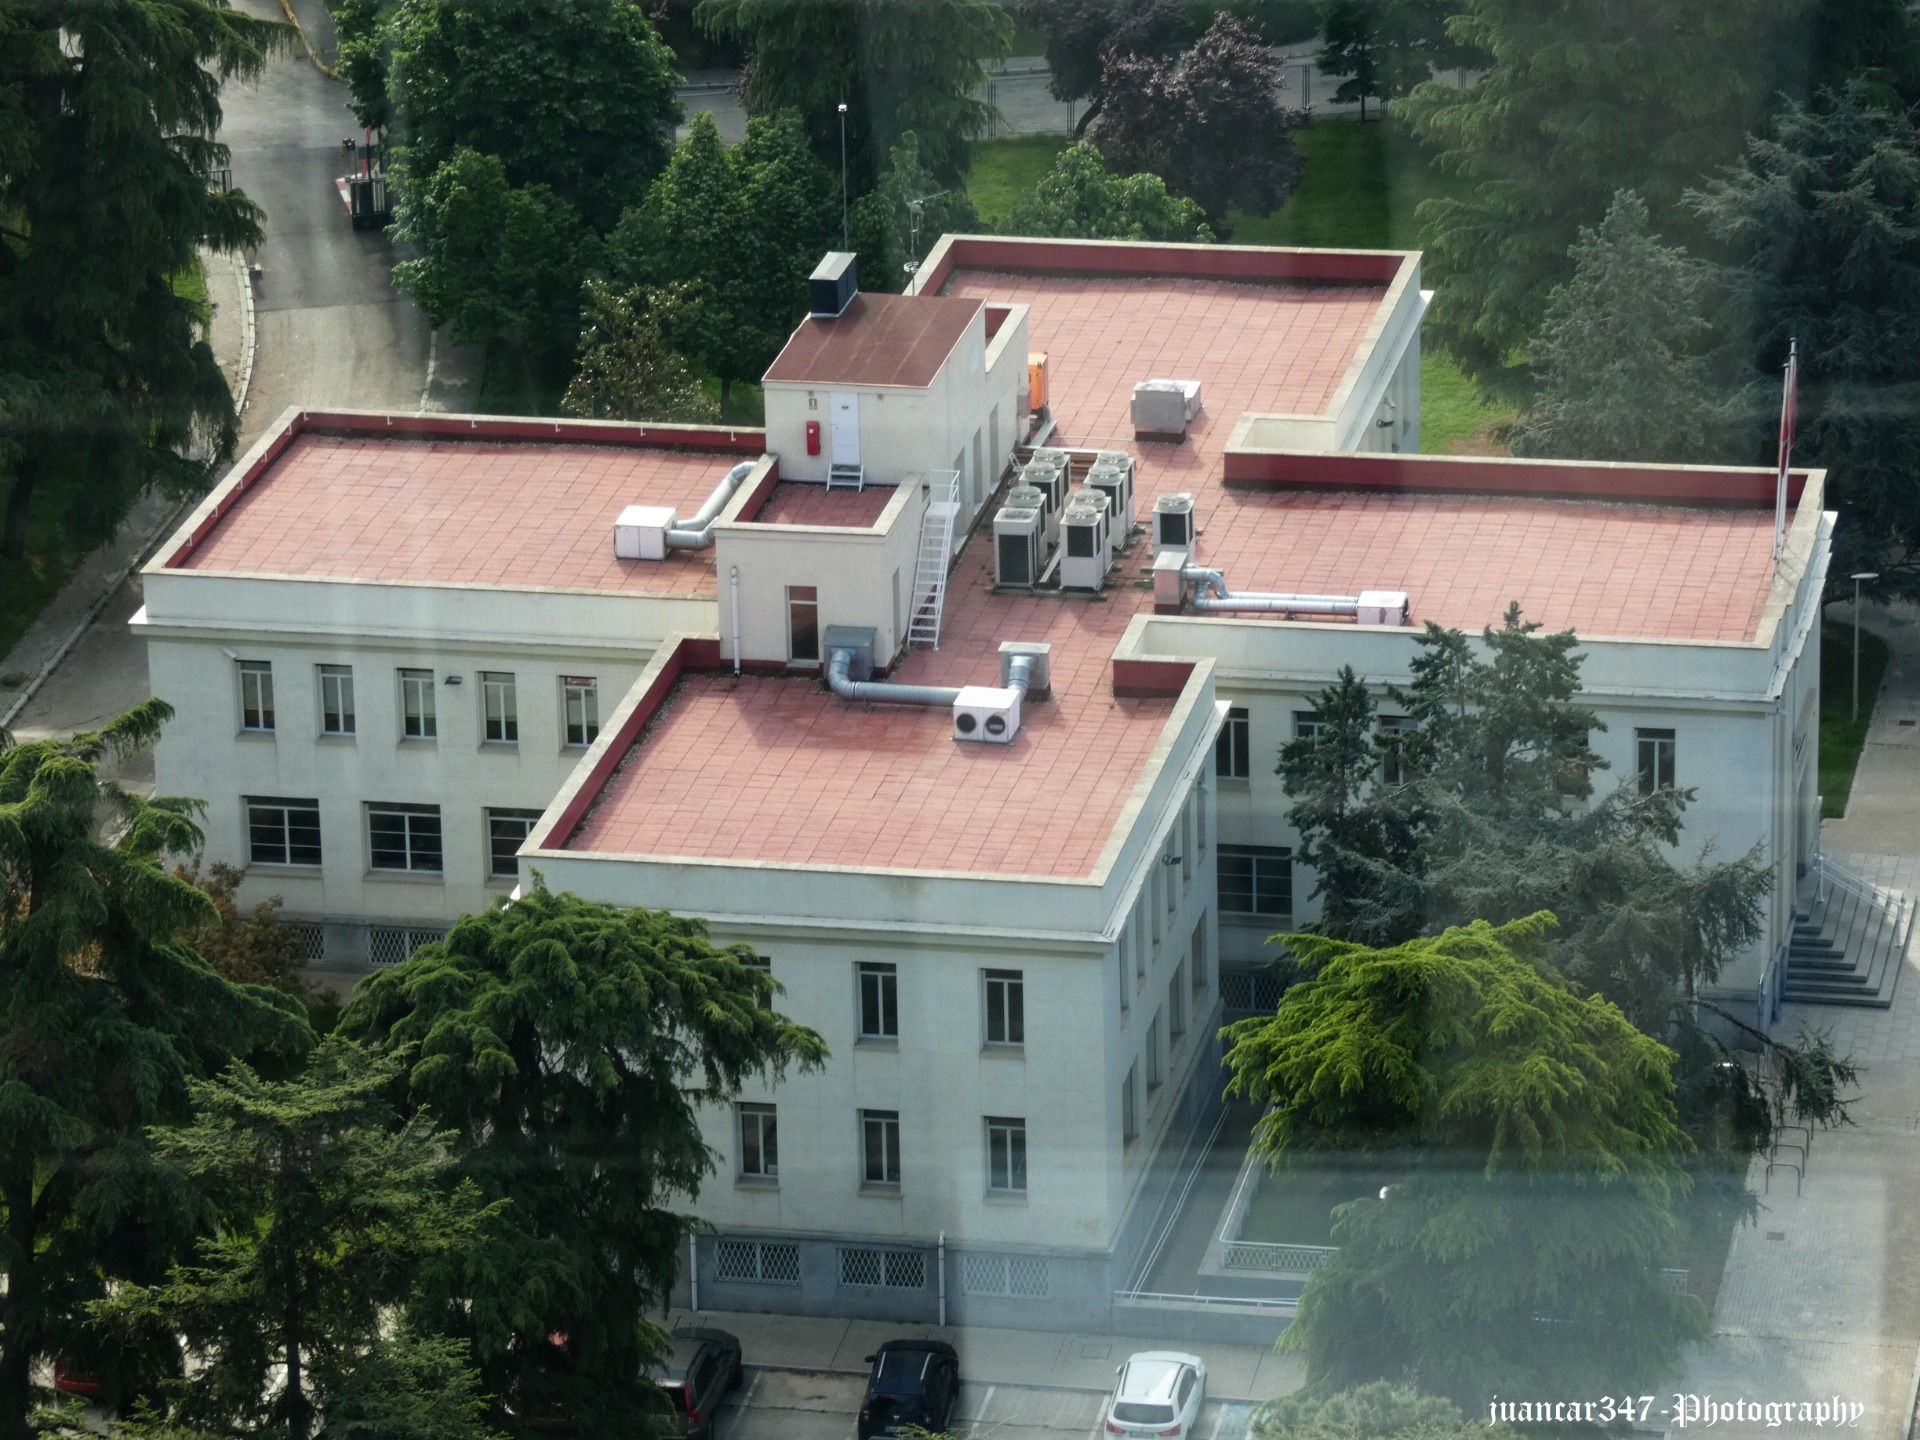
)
(1789, 420)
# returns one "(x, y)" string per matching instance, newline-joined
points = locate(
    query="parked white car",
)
(1160, 1393)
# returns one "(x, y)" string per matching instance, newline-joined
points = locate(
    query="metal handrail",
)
(1852, 884)
(1230, 1302)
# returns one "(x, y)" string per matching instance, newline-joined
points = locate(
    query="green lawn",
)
(1002, 172)
(1295, 1207)
(1841, 736)
(749, 406)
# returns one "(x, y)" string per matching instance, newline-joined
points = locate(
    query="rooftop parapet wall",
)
(1252, 263)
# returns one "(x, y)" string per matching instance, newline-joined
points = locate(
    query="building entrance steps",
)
(1849, 932)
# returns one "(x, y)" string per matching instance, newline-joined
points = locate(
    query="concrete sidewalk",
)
(1038, 1358)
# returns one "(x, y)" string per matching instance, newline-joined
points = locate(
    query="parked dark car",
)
(701, 1369)
(913, 1382)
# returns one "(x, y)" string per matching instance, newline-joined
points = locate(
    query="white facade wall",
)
(968, 419)
(205, 753)
(862, 577)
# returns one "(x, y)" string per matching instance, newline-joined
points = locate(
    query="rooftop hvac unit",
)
(641, 532)
(1091, 497)
(1115, 481)
(987, 713)
(1030, 497)
(1084, 549)
(1159, 410)
(1019, 545)
(832, 285)
(1175, 526)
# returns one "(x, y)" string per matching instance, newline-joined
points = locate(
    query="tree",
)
(1820, 243)
(499, 264)
(1624, 357)
(895, 224)
(1080, 34)
(897, 65)
(365, 57)
(1580, 101)
(577, 97)
(1830, 44)
(105, 1019)
(107, 171)
(1080, 198)
(791, 198)
(567, 1044)
(1386, 47)
(1536, 1131)
(1211, 124)
(1379, 1411)
(320, 1205)
(628, 369)
(249, 949)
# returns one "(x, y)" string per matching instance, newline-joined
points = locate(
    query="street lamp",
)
(843, 177)
(1860, 576)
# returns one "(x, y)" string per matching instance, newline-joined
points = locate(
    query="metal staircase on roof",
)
(846, 477)
(936, 552)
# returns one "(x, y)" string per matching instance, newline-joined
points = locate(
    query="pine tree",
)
(567, 1044)
(1820, 242)
(105, 1020)
(108, 190)
(320, 1206)
(1384, 48)
(1542, 1161)
(1580, 101)
(1624, 359)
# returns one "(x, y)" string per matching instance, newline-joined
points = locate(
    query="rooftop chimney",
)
(833, 284)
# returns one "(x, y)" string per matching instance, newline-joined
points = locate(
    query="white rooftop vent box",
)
(1383, 607)
(1159, 410)
(833, 284)
(989, 714)
(1019, 545)
(1174, 525)
(641, 532)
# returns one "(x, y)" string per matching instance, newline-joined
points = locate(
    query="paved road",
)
(782, 1405)
(332, 331)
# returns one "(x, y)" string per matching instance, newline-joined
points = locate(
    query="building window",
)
(1256, 880)
(1186, 847)
(757, 1262)
(1129, 1116)
(499, 708)
(336, 700)
(880, 1147)
(1200, 954)
(1006, 1008)
(1306, 724)
(879, 1001)
(1655, 758)
(803, 622)
(759, 1142)
(507, 830)
(1006, 1156)
(1120, 967)
(1153, 1055)
(1200, 819)
(1393, 770)
(1177, 1002)
(1230, 759)
(256, 696)
(404, 837)
(581, 694)
(283, 832)
(419, 721)
(1139, 941)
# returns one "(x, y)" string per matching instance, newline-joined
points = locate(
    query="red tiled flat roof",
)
(800, 504)
(877, 340)
(1600, 567)
(460, 512)
(781, 771)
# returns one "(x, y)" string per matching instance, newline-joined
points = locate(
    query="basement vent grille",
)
(882, 1269)
(389, 944)
(313, 941)
(1017, 1277)
(757, 1262)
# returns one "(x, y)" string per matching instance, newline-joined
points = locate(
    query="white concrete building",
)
(410, 666)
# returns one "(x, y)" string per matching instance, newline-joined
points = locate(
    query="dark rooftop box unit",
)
(833, 284)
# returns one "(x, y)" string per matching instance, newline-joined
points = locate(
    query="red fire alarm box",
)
(813, 437)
